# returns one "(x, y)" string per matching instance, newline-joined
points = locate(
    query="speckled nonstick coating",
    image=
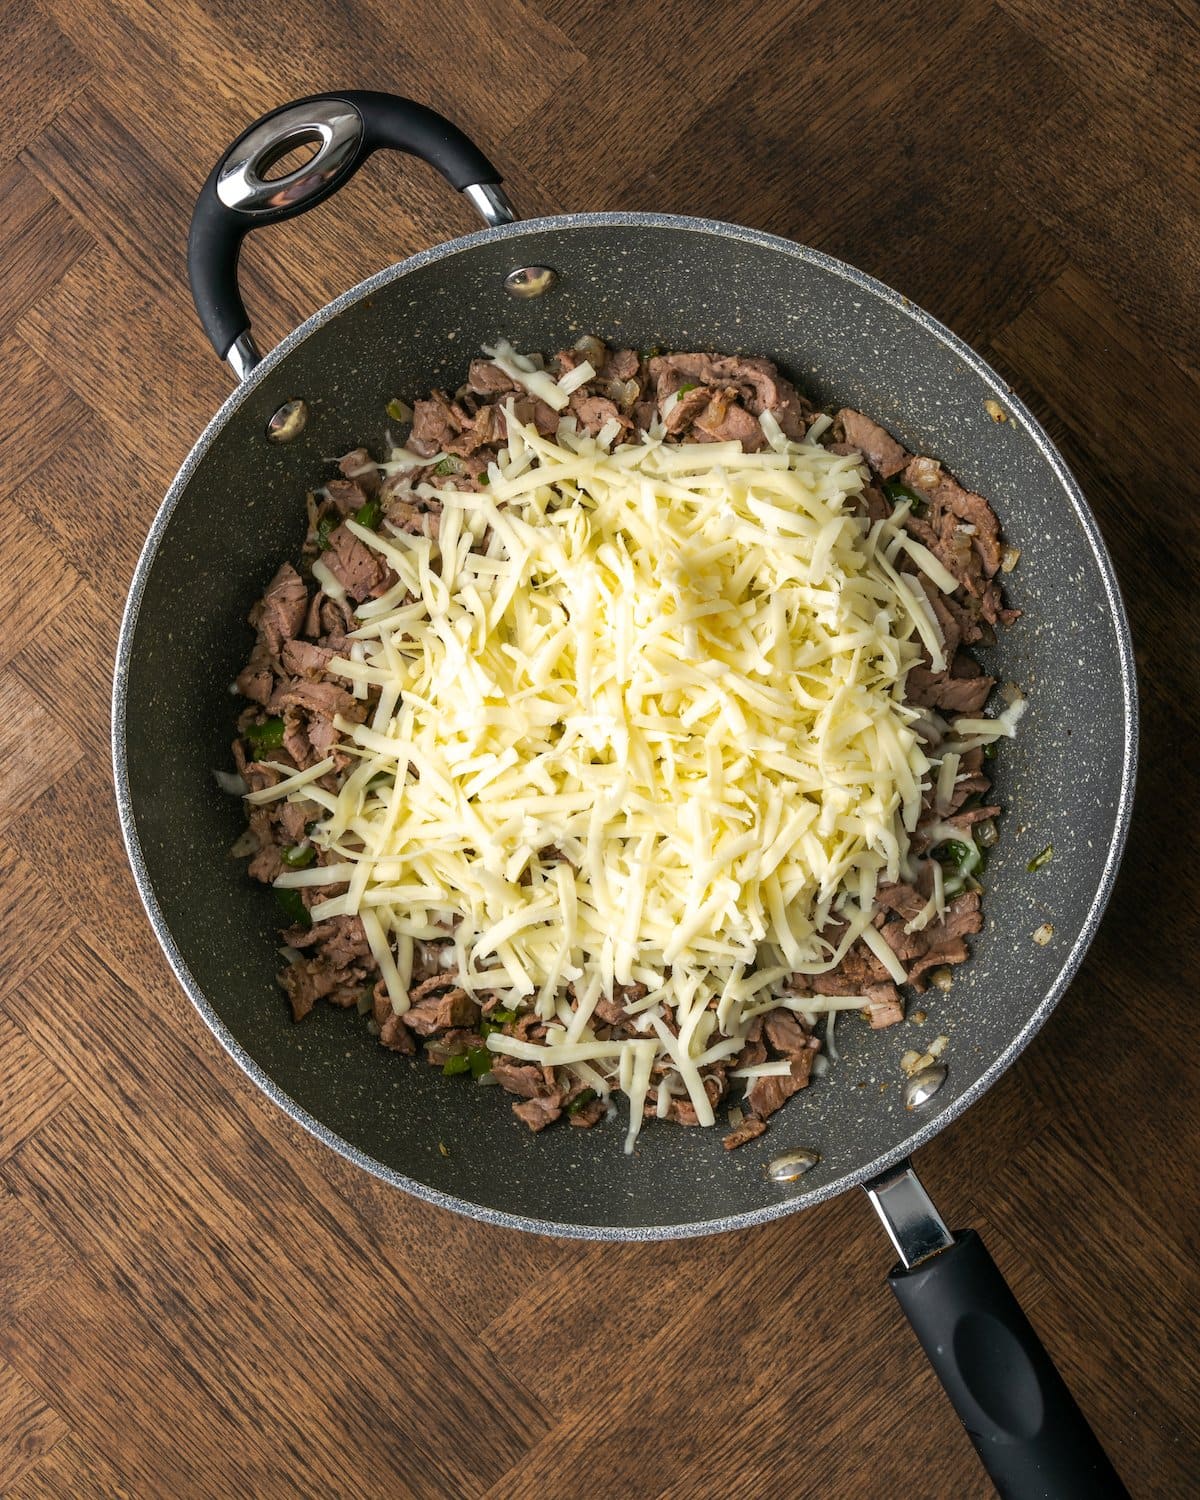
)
(236, 509)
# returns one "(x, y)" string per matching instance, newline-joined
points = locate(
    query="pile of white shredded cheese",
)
(640, 721)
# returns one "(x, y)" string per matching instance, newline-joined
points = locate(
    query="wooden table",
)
(196, 1299)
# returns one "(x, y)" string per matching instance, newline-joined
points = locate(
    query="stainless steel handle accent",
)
(491, 203)
(332, 125)
(913, 1224)
(243, 355)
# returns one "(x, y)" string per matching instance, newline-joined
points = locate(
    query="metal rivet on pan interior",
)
(790, 1165)
(288, 422)
(529, 281)
(922, 1086)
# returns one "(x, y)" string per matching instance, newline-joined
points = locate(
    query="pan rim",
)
(999, 1064)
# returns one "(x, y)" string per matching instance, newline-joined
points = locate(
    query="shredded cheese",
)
(641, 720)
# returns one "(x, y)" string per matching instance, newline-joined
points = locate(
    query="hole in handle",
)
(289, 156)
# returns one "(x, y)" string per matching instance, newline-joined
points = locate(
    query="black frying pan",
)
(235, 510)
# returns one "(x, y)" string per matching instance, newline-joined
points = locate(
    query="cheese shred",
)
(642, 721)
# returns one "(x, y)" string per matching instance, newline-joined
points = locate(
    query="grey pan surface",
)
(236, 509)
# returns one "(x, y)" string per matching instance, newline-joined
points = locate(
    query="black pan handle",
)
(345, 128)
(1026, 1427)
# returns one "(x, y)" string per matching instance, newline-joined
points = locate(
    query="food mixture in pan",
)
(617, 729)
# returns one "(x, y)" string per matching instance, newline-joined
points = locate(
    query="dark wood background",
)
(195, 1299)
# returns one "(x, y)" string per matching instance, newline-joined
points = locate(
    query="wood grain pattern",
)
(198, 1301)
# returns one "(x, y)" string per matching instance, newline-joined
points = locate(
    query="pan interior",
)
(237, 510)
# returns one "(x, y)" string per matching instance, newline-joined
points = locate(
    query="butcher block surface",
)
(196, 1299)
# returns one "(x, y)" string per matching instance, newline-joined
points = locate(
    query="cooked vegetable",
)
(369, 515)
(1042, 858)
(294, 907)
(265, 736)
(952, 852)
(897, 492)
(298, 856)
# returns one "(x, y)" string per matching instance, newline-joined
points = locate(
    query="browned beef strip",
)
(523, 1078)
(256, 680)
(346, 495)
(256, 776)
(296, 741)
(487, 379)
(323, 735)
(438, 1004)
(746, 1131)
(767, 1094)
(480, 431)
(267, 862)
(362, 468)
(947, 691)
(756, 386)
(396, 1037)
(345, 942)
(947, 614)
(754, 1050)
(879, 448)
(539, 1112)
(681, 1109)
(279, 614)
(323, 697)
(687, 408)
(592, 412)
(303, 659)
(936, 944)
(435, 424)
(948, 498)
(670, 371)
(393, 1033)
(621, 364)
(294, 817)
(309, 980)
(905, 900)
(526, 409)
(361, 571)
(763, 388)
(884, 1006)
(724, 421)
(858, 969)
(874, 503)
(788, 1036)
(612, 1011)
(585, 1115)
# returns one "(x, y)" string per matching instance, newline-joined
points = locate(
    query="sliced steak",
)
(439, 1005)
(768, 1094)
(524, 1078)
(359, 466)
(750, 1127)
(360, 570)
(878, 447)
(279, 614)
(346, 496)
(884, 1006)
(538, 1112)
